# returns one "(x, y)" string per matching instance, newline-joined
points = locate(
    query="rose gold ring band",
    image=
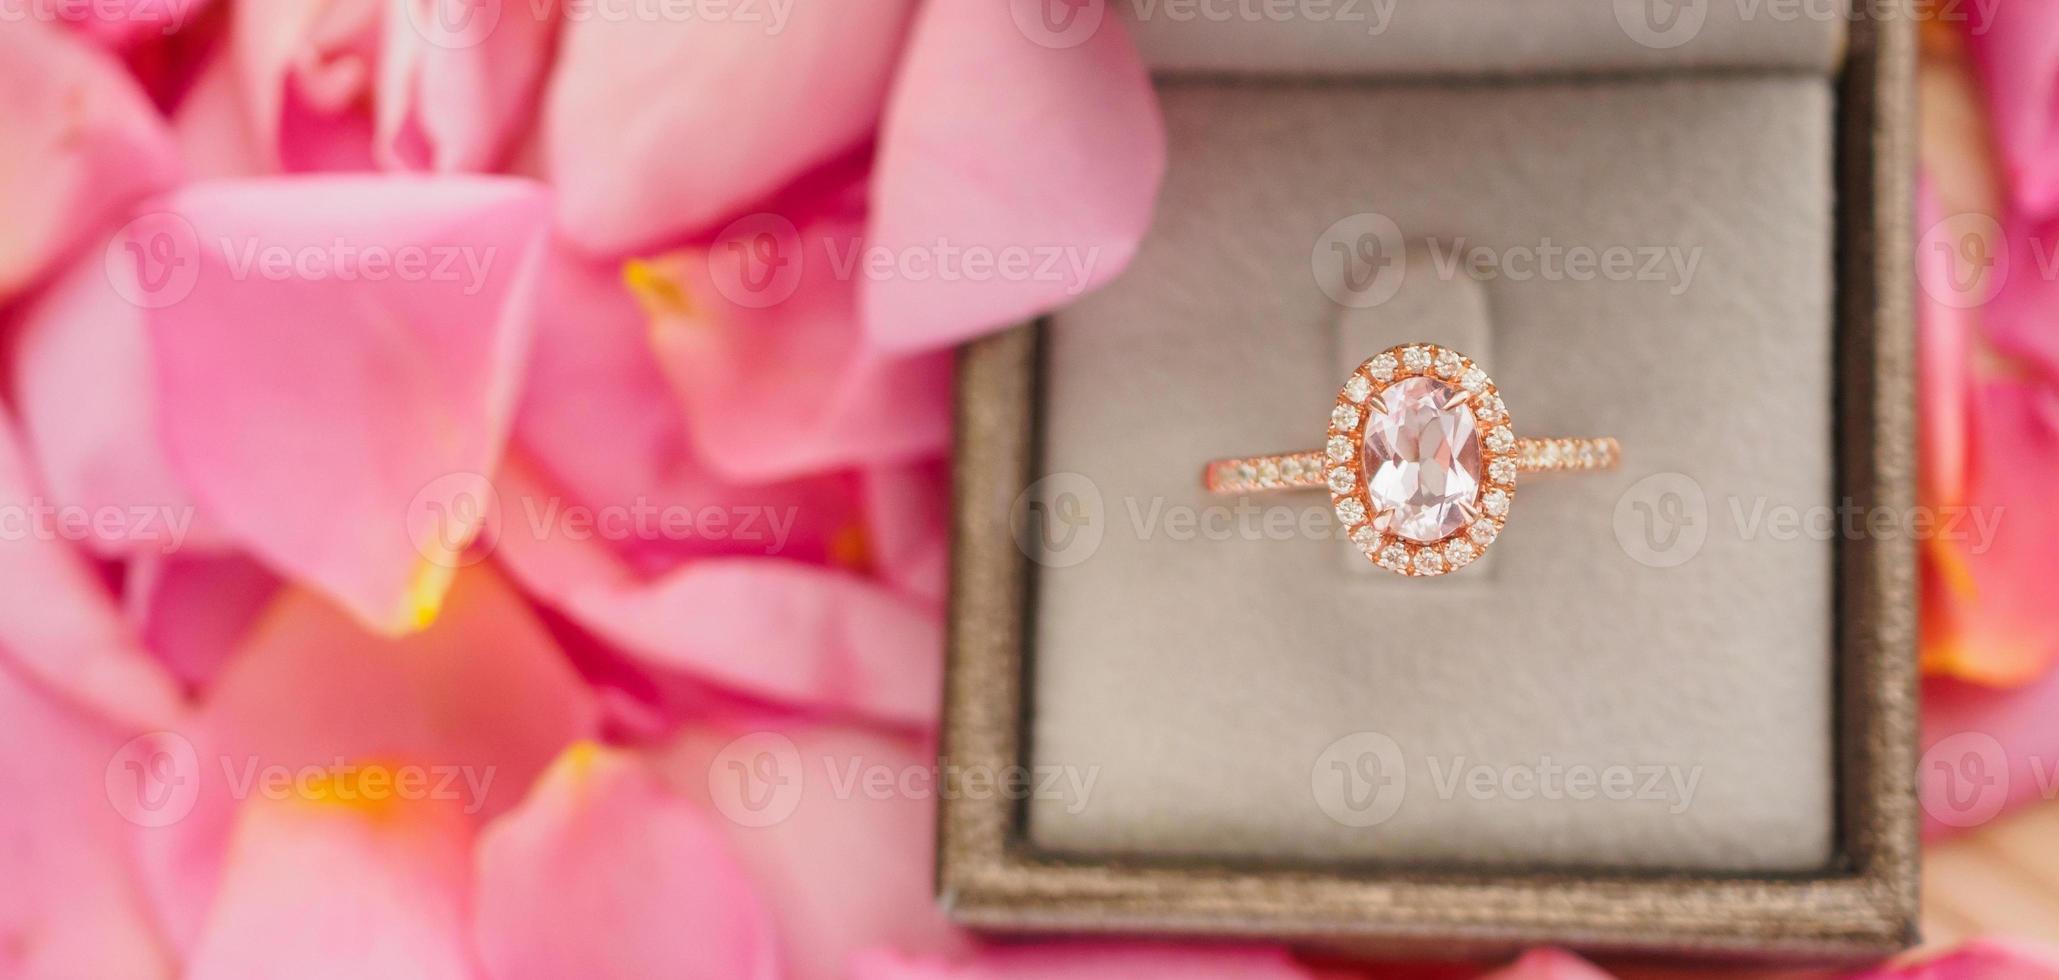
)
(1305, 470)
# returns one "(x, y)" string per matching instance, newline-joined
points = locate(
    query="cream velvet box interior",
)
(1642, 676)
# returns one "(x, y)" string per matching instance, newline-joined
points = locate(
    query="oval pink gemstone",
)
(1421, 459)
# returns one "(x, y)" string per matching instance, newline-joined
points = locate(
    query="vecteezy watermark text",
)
(39, 520)
(761, 778)
(1362, 779)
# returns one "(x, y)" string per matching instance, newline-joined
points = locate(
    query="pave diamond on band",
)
(1421, 460)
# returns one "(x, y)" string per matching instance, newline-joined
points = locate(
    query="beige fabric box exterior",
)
(994, 875)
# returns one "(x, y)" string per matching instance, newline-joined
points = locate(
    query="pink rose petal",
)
(1946, 330)
(193, 610)
(70, 907)
(599, 420)
(1041, 152)
(305, 68)
(772, 628)
(2016, 50)
(844, 866)
(123, 23)
(908, 511)
(337, 376)
(82, 140)
(215, 135)
(1067, 961)
(1987, 616)
(766, 355)
(459, 78)
(482, 702)
(335, 887)
(70, 636)
(1986, 751)
(82, 380)
(656, 130)
(1983, 959)
(1548, 964)
(602, 874)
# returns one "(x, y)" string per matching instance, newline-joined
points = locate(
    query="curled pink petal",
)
(773, 628)
(337, 884)
(336, 362)
(1945, 332)
(1548, 964)
(83, 142)
(1060, 961)
(305, 69)
(1984, 959)
(475, 707)
(215, 135)
(2016, 50)
(1017, 169)
(599, 420)
(70, 907)
(601, 874)
(908, 511)
(1987, 613)
(1985, 751)
(834, 824)
(654, 131)
(82, 380)
(123, 23)
(459, 78)
(759, 336)
(71, 637)
(193, 610)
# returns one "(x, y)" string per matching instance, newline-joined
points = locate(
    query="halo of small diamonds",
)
(1359, 399)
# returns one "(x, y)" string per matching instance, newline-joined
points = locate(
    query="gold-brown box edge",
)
(1864, 906)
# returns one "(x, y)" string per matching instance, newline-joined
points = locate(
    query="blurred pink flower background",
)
(486, 425)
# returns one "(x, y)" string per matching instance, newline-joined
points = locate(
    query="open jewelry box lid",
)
(992, 873)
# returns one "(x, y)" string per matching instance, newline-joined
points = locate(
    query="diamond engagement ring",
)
(1421, 462)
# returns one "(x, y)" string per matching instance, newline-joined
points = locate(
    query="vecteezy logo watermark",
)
(449, 513)
(762, 778)
(1059, 520)
(1063, 519)
(757, 261)
(167, 15)
(1362, 779)
(769, 16)
(1361, 261)
(1964, 779)
(1661, 23)
(1371, 17)
(1671, 23)
(1663, 520)
(1070, 23)
(458, 519)
(1550, 261)
(155, 261)
(1058, 24)
(452, 24)
(39, 520)
(1967, 778)
(343, 781)
(154, 780)
(1962, 261)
